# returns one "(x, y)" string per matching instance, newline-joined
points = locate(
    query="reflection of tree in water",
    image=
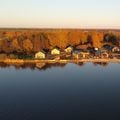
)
(81, 64)
(18, 66)
(32, 66)
(28, 65)
(46, 66)
(104, 64)
(3, 65)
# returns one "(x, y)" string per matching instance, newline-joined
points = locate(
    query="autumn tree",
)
(96, 40)
(27, 46)
(74, 38)
(15, 46)
(6, 45)
(83, 38)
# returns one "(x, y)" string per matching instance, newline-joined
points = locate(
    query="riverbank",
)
(20, 61)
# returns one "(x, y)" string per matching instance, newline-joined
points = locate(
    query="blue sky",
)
(60, 13)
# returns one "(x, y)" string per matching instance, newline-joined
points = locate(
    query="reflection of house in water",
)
(50, 65)
(40, 65)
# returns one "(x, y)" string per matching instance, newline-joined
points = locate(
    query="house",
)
(101, 53)
(82, 47)
(111, 48)
(40, 55)
(107, 47)
(84, 54)
(115, 49)
(69, 49)
(55, 51)
(97, 54)
(76, 53)
(104, 55)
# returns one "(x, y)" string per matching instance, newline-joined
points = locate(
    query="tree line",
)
(31, 41)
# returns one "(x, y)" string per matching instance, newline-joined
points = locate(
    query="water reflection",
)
(45, 66)
(79, 91)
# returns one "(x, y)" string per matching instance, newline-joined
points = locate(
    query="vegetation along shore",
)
(59, 45)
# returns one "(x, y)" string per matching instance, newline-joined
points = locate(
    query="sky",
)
(60, 13)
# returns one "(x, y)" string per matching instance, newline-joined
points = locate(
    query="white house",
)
(40, 55)
(69, 49)
(115, 49)
(55, 51)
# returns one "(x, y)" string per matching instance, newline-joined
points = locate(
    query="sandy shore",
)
(12, 61)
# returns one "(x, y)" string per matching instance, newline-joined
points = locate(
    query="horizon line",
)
(78, 28)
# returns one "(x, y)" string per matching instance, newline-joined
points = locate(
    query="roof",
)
(82, 47)
(76, 51)
(68, 46)
(56, 48)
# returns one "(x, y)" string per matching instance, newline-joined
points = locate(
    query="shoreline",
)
(22, 61)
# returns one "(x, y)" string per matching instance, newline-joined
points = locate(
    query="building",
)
(55, 51)
(76, 53)
(115, 49)
(111, 48)
(40, 55)
(69, 49)
(107, 47)
(97, 54)
(101, 53)
(104, 55)
(82, 47)
(84, 54)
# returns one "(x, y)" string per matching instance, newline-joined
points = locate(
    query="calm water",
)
(60, 92)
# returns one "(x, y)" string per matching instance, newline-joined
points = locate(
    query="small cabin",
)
(97, 54)
(115, 49)
(76, 53)
(40, 55)
(55, 51)
(84, 54)
(104, 55)
(69, 49)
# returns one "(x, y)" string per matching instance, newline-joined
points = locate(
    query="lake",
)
(60, 92)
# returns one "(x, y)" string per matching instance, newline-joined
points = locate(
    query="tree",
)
(27, 46)
(96, 40)
(83, 38)
(15, 46)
